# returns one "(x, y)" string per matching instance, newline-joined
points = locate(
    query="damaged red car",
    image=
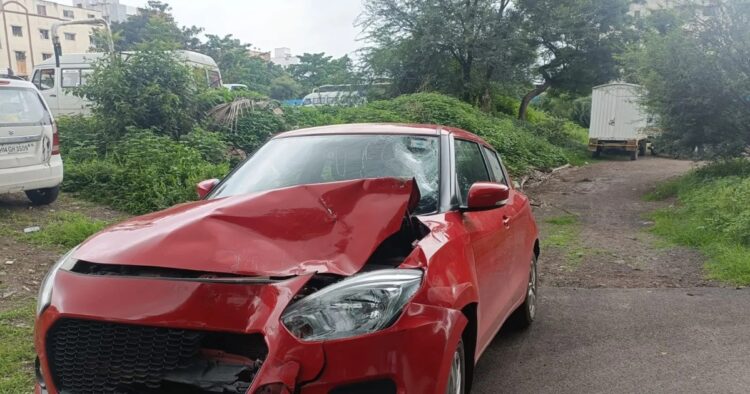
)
(367, 258)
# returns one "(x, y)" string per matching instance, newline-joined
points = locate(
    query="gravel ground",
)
(616, 249)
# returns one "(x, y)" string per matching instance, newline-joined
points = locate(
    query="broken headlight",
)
(358, 305)
(45, 290)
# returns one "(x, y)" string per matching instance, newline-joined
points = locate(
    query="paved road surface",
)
(633, 316)
(626, 341)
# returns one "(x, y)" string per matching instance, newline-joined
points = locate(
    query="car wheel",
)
(43, 196)
(457, 377)
(526, 313)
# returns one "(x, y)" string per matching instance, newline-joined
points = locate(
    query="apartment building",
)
(645, 7)
(111, 10)
(283, 57)
(26, 32)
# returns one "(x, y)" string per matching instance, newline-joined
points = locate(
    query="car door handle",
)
(506, 221)
(53, 95)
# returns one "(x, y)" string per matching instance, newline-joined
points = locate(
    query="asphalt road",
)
(625, 341)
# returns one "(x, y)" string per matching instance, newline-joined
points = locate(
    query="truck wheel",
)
(596, 154)
(43, 196)
(634, 155)
(642, 149)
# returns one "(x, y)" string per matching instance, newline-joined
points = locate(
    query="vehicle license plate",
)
(16, 149)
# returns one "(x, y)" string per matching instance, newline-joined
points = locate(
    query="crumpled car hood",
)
(325, 228)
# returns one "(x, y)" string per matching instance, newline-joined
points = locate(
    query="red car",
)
(344, 259)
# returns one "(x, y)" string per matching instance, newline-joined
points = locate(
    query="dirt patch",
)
(22, 264)
(607, 243)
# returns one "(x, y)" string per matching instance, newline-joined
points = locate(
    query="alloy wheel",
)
(455, 380)
(532, 291)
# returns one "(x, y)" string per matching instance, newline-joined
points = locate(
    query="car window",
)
(470, 167)
(497, 169)
(293, 161)
(44, 79)
(71, 78)
(22, 106)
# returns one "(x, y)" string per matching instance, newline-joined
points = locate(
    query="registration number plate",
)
(16, 149)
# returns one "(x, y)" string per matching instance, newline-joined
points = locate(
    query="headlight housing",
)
(45, 290)
(358, 305)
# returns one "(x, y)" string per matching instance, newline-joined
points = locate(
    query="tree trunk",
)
(466, 73)
(539, 89)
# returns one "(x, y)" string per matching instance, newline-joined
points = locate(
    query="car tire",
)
(457, 375)
(43, 196)
(526, 313)
(634, 155)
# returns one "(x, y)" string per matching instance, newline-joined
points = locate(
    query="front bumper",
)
(34, 177)
(412, 356)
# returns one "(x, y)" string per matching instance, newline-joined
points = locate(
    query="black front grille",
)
(98, 357)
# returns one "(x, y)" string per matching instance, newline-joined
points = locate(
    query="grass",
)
(565, 235)
(712, 215)
(58, 229)
(17, 349)
(66, 229)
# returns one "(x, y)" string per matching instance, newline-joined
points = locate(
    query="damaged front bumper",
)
(159, 335)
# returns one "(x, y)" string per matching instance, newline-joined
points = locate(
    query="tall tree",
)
(153, 23)
(577, 41)
(458, 46)
(317, 69)
(696, 74)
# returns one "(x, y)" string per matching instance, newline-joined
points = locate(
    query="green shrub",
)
(254, 129)
(211, 145)
(148, 89)
(143, 173)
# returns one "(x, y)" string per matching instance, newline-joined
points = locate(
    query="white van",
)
(29, 144)
(56, 83)
(618, 121)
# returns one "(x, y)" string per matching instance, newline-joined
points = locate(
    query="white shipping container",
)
(616, 114)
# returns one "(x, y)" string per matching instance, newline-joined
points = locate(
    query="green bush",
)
(142, 173)
(148, 89)
(211, 145)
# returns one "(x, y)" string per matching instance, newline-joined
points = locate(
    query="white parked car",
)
(30, 158)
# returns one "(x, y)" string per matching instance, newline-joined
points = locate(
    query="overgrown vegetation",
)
(712, 215)
(16, 350)
(66, 229)
(147, 170)
(694, 67)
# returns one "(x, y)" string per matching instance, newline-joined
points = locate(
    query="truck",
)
(618, 120)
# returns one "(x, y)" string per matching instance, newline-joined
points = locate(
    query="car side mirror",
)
(205, 187)
(487, 195)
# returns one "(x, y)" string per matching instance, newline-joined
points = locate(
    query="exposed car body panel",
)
(324, 228)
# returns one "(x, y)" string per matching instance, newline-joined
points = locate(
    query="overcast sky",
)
(302, 25)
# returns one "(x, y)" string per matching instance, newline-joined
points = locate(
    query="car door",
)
(490, 242)
(516, 212)
(44, 80)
